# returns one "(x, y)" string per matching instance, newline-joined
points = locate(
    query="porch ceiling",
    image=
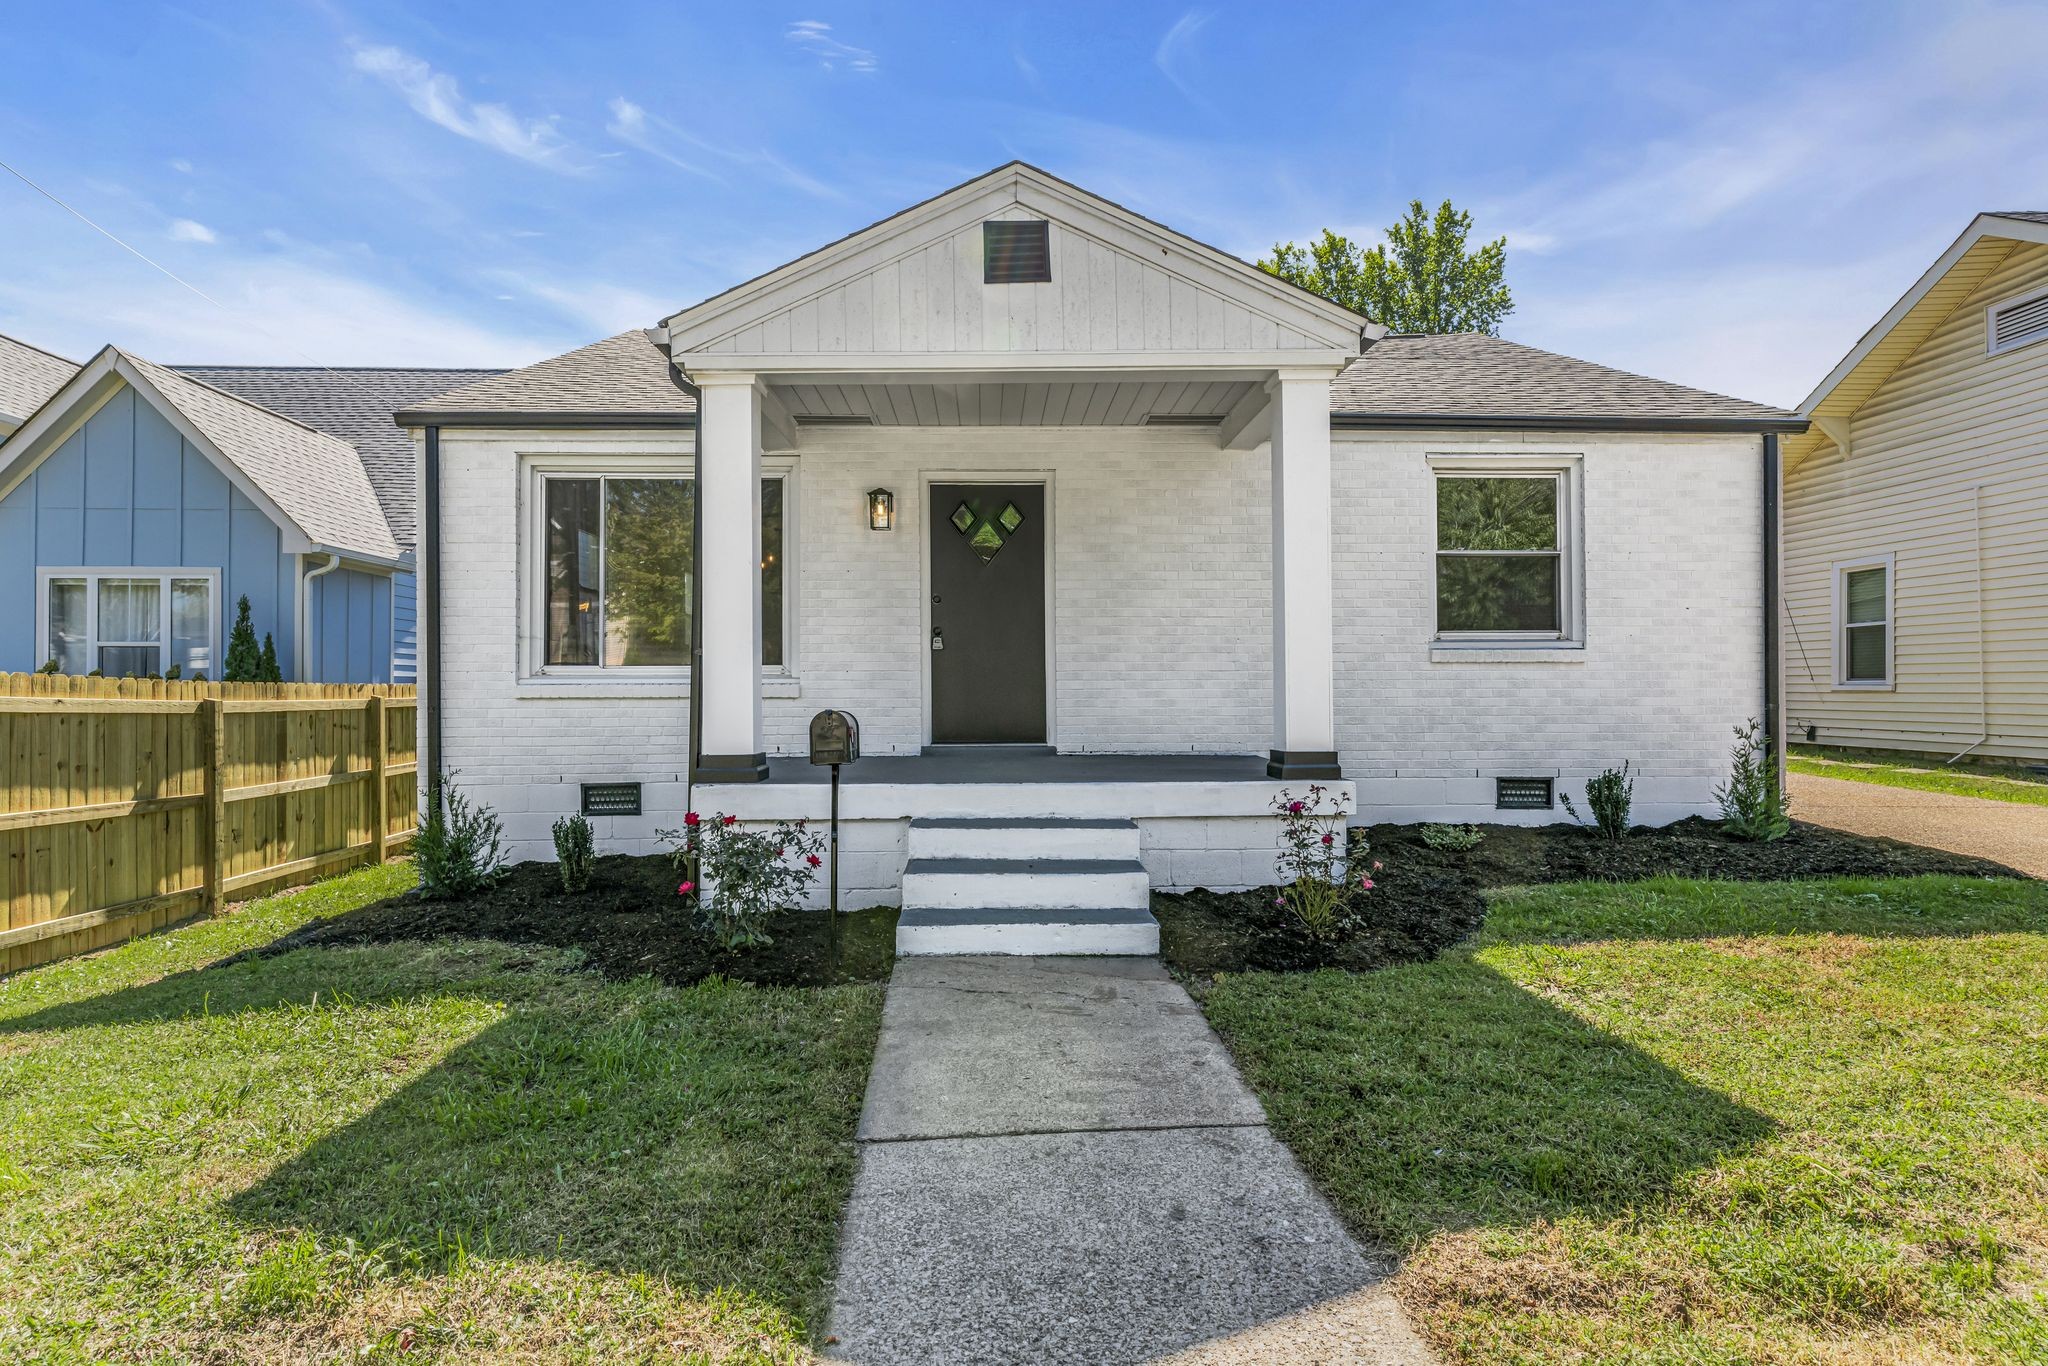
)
(1080, 403)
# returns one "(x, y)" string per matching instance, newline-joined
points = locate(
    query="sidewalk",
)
(1060, 1164)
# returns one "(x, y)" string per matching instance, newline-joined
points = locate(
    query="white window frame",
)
(1991, 312)
(1567, 469)
(92, 574)
(537, 469)
(1842, 569)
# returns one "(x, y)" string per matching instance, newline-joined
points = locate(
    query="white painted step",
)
(1042, 838)
(1028, 930)
(1009, 884)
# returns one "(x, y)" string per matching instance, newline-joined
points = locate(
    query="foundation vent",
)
(1522, 794)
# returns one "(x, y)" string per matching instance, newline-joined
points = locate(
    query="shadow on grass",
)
(1445, 1096)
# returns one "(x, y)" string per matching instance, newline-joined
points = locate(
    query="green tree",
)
(1422, 279)
(244, 659)
(266, 664)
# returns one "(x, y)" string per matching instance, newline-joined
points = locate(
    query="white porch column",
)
(1304, 618)
(729, 559)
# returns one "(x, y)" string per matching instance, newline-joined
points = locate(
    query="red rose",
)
(1329, 839)
(684, 889)
(690, 818)
(813, 860)
(727, 820)
(1296, 808)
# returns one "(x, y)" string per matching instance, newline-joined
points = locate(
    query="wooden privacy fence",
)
(127, 805)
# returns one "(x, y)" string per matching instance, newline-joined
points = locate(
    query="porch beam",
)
(1249, 422)
(1304, 615)
(729, 562)
(778, 428)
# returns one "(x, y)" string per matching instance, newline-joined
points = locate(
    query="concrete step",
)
(1042, 838)
(1028, 930)
(1004, 884)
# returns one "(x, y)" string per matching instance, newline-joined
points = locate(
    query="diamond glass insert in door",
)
(1011, 518)
(962, 518)
(986, 541)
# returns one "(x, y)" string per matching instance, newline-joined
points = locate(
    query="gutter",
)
(430, 538)
(495, 417)
(305, 621)
(1563, 422)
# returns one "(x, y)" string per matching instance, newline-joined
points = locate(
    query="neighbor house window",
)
(615, 562)
(1501, 563)
(1863, 624)
(130, 622)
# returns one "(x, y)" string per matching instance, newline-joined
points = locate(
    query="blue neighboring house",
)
(140, 502)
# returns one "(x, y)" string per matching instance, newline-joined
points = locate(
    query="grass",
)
(459, 1151)
(1690, 1122)
(2001, 783)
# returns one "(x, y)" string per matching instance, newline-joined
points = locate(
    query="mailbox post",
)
(835, 740)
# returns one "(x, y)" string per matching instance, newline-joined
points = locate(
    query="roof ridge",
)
(39, 350)
(352, 369)
(234, 397)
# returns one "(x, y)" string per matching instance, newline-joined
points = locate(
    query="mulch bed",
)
(629, 923)
(1425, 900)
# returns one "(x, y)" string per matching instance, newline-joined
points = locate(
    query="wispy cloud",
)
(1028, 69)
(1175, 55)
(657, 137)
(180, 165)
(593, 305)
(437, 97)
(815, 37)
(186, 230)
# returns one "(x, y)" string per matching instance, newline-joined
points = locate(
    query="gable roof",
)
(305, 480)
(29, 377)
(622, 381)
(1470, 379)
(355, 404)
(1952, 279)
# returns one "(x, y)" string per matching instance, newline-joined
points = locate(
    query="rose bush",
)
(748, 874)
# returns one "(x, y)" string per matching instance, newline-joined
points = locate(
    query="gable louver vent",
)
(2019, 322)
(1015, 253)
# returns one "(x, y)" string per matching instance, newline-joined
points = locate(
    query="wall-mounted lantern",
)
(881, 510)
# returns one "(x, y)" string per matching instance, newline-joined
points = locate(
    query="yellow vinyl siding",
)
(1949, 420)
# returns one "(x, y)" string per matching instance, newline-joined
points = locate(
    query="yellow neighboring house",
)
(1916, 516)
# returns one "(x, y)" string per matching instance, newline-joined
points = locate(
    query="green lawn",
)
(2004, 783)
(1691, 1122)
(454, 1151)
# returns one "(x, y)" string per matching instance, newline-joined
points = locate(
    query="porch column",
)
(729, 561)
(1304, 620)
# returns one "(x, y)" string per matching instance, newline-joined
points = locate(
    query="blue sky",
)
(1723, 194)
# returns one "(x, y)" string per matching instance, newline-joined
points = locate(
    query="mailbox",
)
(835, 738)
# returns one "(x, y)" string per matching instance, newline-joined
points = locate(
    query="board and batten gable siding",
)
(349, 615)
(405, 629)
(931, 298)
(1950, 421)
(127, 489)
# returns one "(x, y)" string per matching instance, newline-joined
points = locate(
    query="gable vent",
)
(1014, 253)
(2019, 322)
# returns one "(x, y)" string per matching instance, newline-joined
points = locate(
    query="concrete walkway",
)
(1059, 1163)
(2011, 833)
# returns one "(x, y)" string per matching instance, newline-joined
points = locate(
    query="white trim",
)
(538, 679)
(1568, 469)
(1991, 312)
(926, 479)
(1840, 571)
(93, 573)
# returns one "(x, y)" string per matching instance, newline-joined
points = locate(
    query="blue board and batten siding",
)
(405, 629)
(126, 489)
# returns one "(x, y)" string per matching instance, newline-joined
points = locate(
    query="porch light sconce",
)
(881, 510)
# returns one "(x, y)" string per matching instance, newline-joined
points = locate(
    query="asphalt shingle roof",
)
(356, 405)
(28, 376)
(2024, 215)
(621, 377)
(1471, 377)
(316, 479)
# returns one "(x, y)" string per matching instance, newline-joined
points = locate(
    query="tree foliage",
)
(1422, 279)
(244, 662)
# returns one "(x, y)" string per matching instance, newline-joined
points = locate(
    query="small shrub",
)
(244, 657)
(457, 850)
(1311, 861)
(749, 874)
(266, 663)
(1452, 839)
(1753, 805)
(50, 666)
(575, 852)
(1608, 797)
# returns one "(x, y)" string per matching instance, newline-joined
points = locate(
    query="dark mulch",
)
(1425, 900)
(629, 923)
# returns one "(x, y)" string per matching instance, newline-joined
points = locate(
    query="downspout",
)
(305, 622)
(1983, 661)
(696, 708)
(1773, 684)
(430, 590)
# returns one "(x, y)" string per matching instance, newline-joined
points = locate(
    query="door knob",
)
(938, 639)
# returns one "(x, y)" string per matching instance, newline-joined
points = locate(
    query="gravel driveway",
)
(2006, 832)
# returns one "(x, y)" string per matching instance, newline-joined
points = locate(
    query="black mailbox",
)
(835, 738)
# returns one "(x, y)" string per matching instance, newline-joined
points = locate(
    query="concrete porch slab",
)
(1185, 1245)
(986, 1046)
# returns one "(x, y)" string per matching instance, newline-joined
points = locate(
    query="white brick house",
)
(1158, 536)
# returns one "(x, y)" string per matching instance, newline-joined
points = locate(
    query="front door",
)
(988, 614)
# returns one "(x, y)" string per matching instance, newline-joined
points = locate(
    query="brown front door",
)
(988, 614)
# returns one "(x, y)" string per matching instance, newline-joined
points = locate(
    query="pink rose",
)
(1377, 865)
(1365, 884)
(1329, 839)
(1279, 901)
(1296, 808)
(690, 818)
(684, 889)
(813, 860)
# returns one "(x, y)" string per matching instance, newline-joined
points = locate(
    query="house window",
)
(1863, 624)
(615, 563)
(1501, 566)
(130, 622)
